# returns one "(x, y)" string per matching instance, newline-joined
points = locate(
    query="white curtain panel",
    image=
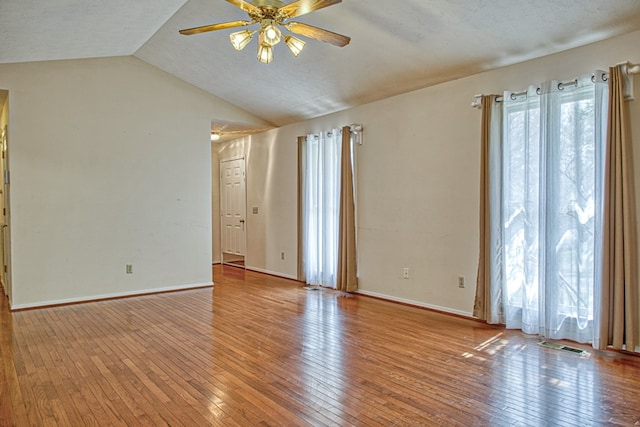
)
(321, 204)
(550, 208)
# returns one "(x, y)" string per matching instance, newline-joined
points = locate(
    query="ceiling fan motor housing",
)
(268, 11)
(268, 3)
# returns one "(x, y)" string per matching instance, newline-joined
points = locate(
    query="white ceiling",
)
(396, 46)
(36, 30)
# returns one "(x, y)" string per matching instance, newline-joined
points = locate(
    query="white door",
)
(233, 206)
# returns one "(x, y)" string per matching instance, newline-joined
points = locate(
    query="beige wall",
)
(417, 180)
(111, 165)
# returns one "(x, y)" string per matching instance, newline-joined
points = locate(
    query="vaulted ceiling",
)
(396, 46)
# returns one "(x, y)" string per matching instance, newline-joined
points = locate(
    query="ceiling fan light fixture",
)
(272, 15)
(241, 39)
(271, 34)
(265, 53)
(294, 44)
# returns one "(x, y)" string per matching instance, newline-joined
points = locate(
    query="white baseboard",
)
(416, 303)
(111, 296)
(271, 273)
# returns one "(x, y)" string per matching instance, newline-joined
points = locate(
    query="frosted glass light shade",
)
(271, 35)
(240, 39)
(265, 53)
(294, 44)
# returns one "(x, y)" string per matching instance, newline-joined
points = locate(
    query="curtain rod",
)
(628, 68)
(356, 129)
(477, 103)
(561, 86)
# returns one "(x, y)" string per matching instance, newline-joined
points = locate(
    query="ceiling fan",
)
(272, 15)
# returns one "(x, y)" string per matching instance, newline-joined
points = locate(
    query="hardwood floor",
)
(259, 350)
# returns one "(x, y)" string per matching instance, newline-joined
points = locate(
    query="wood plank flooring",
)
(261, 351)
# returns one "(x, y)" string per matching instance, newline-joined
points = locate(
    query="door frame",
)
(5, 222)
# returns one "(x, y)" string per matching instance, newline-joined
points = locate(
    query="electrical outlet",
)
(129, 268)
(461, 281)
(405, 273)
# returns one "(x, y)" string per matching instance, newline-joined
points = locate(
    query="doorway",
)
(233, 209)
(5, 218)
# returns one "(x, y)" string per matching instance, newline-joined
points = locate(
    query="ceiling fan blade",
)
(246, 6)
(318, 34)
(302, 7)
(214, 27)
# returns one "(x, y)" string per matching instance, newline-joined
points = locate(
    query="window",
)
(321, 204)
(551, 207)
